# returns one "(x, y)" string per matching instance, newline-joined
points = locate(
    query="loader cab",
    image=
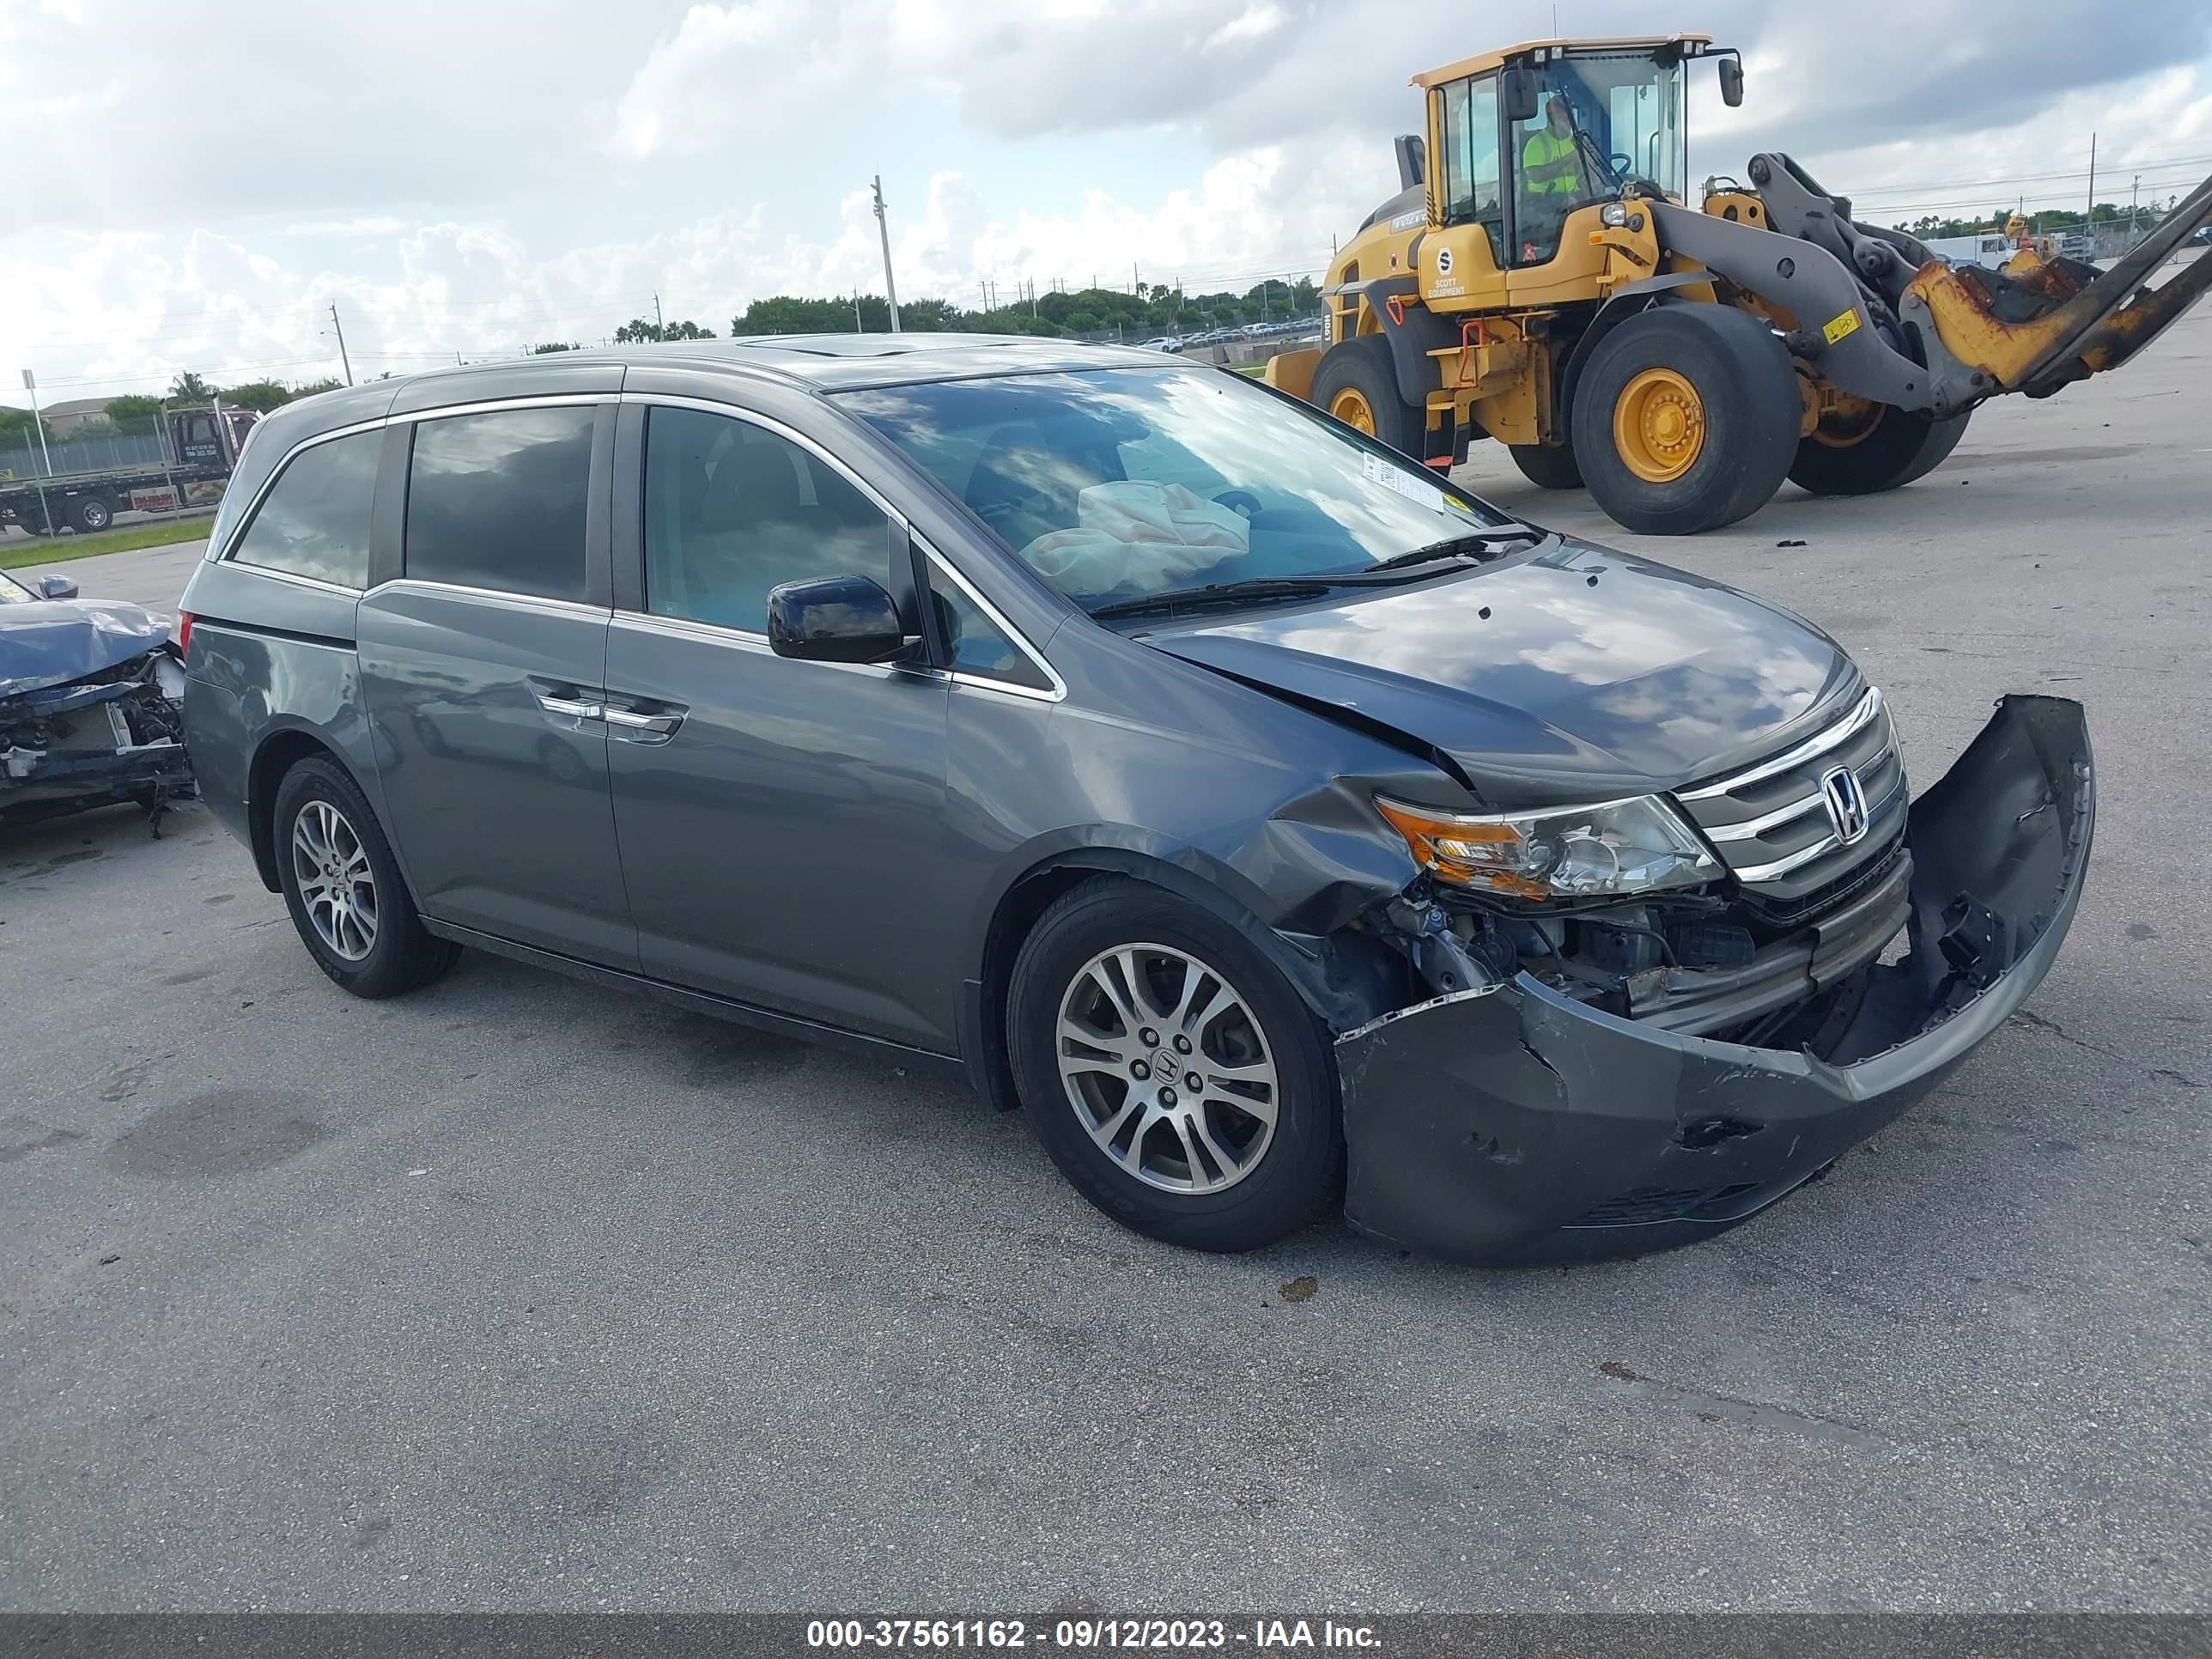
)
(1523, 137)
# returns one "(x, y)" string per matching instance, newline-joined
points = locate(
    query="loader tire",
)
(1357, 382)
(1902, 444)
(1686, 419)
(1548, 467)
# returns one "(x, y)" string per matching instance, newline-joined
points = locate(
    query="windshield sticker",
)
(1375, 469)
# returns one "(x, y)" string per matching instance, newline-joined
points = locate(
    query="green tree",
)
(133, 415)
(189, 388)
(261, 396)
(641, 329)
(930, 317)
(550, 345)
(312, 388)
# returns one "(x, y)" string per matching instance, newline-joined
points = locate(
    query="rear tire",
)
(344, 890)
(1706, 402)
(1357, 383)
(90, 515)
(1548, 467)
(1902, 445)
(1101, 1107)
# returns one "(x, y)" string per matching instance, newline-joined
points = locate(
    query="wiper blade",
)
(1182, 599)
(1476, 541)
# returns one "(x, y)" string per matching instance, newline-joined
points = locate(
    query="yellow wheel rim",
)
(1659, 425)
(1350, 406)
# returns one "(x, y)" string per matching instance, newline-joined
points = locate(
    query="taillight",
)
(184, 631)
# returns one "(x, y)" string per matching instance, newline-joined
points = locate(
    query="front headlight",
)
(1574, 852)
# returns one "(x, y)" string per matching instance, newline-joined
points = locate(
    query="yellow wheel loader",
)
(1539, 281)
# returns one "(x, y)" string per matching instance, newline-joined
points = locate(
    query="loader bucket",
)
(2034, 327)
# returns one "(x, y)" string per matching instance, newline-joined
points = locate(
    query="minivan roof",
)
(819, 362)
(835, 361)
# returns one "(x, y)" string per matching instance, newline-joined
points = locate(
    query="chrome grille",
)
(1772, 822)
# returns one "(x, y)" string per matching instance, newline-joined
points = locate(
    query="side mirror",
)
(57, 587)
(835, 619)
(1731, 71)
(1517, 90)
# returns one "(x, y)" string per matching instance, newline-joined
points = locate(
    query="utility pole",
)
(884, 231)
(659, 328)
(31, 386)
(2134, 189)
(2089, 217)
(857, 329)
(339, 330)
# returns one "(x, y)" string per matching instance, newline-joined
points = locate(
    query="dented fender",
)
(1510, 1124)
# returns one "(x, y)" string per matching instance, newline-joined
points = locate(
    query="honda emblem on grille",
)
(1846, 803)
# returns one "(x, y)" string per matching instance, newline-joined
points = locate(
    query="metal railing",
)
(19, 460)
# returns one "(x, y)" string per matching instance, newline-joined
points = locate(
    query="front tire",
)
(1686, 419)
(1357, 383)
(1548, 467)
(344, 890)
(1221, 1132)
(1867, 456)
(90, 515)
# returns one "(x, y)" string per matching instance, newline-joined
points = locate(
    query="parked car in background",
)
(1263, 815)
(89, 704)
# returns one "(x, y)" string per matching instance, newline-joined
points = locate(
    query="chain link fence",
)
(19, 457)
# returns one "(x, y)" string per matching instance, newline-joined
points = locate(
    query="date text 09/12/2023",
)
(1079, 1635)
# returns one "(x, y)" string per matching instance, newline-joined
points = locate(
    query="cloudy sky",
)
(194, 185)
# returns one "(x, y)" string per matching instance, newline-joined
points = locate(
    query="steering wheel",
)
(1622, 166)
(1239, 501)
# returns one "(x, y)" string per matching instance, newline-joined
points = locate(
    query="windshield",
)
(1602, 120)
(14, 592)
(1121, 484)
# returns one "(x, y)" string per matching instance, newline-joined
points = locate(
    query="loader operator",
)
(1551, 179)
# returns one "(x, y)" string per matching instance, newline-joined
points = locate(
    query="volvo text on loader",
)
(1539, 281)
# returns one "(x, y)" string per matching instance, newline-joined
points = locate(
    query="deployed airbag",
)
(1138, 536)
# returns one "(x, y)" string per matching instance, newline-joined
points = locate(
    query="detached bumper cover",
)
(1514, 1125)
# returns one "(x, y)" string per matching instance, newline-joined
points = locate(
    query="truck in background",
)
(200, 447)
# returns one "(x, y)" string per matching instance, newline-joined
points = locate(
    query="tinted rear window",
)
(497, 501)
(315, 521)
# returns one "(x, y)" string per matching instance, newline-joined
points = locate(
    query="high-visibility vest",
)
(1550, 165)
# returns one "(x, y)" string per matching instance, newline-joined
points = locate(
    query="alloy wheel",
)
(1167, 1068)
(338, 887)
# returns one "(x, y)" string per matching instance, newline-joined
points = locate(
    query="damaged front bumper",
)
(118, 738)
(1511, 1125)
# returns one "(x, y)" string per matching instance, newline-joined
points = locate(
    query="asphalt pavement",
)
(518, 1293)
(151, 576)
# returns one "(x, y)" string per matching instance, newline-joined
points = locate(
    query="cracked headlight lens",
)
(1573, 852)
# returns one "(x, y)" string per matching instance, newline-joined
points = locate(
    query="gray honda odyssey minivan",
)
(1274, 823)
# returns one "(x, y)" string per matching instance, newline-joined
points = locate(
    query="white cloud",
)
(448, 198)
(753, 67)
(123, 311)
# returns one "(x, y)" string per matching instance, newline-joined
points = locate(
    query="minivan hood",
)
(1575, 674)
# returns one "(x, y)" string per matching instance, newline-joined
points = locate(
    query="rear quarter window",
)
(313, 522)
